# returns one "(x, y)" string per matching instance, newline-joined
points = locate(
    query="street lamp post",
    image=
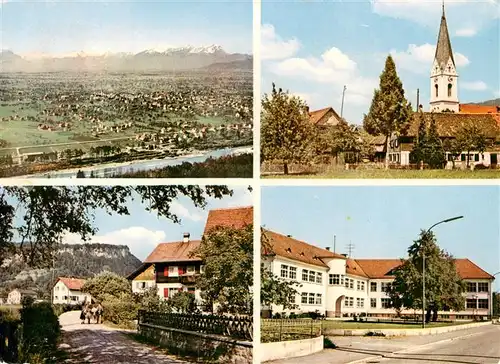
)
(423, 264)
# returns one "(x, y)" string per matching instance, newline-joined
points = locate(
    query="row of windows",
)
(67, 298)
(307, 275)
(477, 287)
(349, 302)
(473, 303)
(310, 298)
(341, 280)
(450, 86)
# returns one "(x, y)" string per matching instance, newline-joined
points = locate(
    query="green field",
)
(397, 174)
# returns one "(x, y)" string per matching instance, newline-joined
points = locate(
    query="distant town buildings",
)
(16, 296)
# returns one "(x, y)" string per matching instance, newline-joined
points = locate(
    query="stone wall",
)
(215, 348)
(290, 349)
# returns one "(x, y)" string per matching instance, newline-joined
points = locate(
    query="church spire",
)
(443, 47)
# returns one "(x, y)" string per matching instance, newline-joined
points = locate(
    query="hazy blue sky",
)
(382, 222)
(61, 27)
(314, 48)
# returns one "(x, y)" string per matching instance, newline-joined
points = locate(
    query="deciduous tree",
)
(444, 287)
(286, 133)
(39, 217)
(389, 112)
(471, 138)
(226, 283)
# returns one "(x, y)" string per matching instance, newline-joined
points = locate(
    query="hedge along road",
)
(97, 343)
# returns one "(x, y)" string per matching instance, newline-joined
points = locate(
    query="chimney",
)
(186, 237)
(327, 248)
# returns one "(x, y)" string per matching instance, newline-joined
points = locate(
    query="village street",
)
(96, 343)
(477, 345)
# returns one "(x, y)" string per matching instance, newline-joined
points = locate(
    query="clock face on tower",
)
(436, 80)
(450, 79)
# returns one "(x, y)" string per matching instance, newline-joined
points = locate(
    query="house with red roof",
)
(172, 267)
(338, 286)
(69, 291)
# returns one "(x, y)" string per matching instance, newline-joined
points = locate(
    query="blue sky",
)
(63, 27)
(314, 48)
(142, 231)
(382, 222)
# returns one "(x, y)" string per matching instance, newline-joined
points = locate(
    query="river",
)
(112, 169)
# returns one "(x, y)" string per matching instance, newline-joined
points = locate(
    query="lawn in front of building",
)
(397, 174)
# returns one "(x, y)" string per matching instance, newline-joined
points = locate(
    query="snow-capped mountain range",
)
(168, 59)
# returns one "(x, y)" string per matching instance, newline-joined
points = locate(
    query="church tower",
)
(444, 77)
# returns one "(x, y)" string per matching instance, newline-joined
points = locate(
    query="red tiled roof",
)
(352, 267)
(479, 109)
(381, 268)
(288, 247)
(237, 218)
(75, 284)
(378, 268)
(449, 124)
(316, 116)
(173, 252)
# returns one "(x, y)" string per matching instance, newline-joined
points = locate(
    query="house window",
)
(386, 302)
(312, 276)
(362, 302)
(190, 269)
(476, 157)
(471, 287)
(284, 271)
(482, 303)
(373, 286)
(56, 297)
(358, 302)
(471, 303)
(305, 275)
(346, 283)
(373, 302)
(384, 286)
(172, 270)
(351, 283)
(165, 292)
(311, 299)
(437, 90)
(449, 89)
(318, 298)
(351, 301)
(292, 272)
(334, 279)
(482, 287)
(362, 285)
(319, 277)
(358, 285)
(303, 298)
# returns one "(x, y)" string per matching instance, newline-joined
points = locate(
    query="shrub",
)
(292, 315)
(60, 308)
(39, 333)
(120, 311)
(328, 344)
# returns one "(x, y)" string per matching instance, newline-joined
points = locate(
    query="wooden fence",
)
(289, 329)
(235, 327)
(8, 341)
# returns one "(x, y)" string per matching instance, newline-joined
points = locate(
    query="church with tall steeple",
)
(444, 76)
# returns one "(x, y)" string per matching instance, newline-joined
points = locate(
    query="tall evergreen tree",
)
(435, 152)
(389, 112)
(417, 155)
(286, 133)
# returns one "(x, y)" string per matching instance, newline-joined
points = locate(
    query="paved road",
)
(89, 344)
(350, 349)
(481, 348)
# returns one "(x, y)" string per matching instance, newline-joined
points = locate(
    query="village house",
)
(172, 268)
(324, 117)
(337, 286)
(16, 296)
(69, 291)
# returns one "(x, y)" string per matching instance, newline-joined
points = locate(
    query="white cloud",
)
(472, 14)
(474, 86)
(184, 213)
(466, 32)
(274, 47)
(307, 97)
(418, 59)
(140, 240)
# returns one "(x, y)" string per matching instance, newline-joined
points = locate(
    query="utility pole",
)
(334, 243)
(418, 100)
(342, 107)
(350, 247)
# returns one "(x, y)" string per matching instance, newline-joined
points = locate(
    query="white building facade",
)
(336, 286)
(68, 291)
